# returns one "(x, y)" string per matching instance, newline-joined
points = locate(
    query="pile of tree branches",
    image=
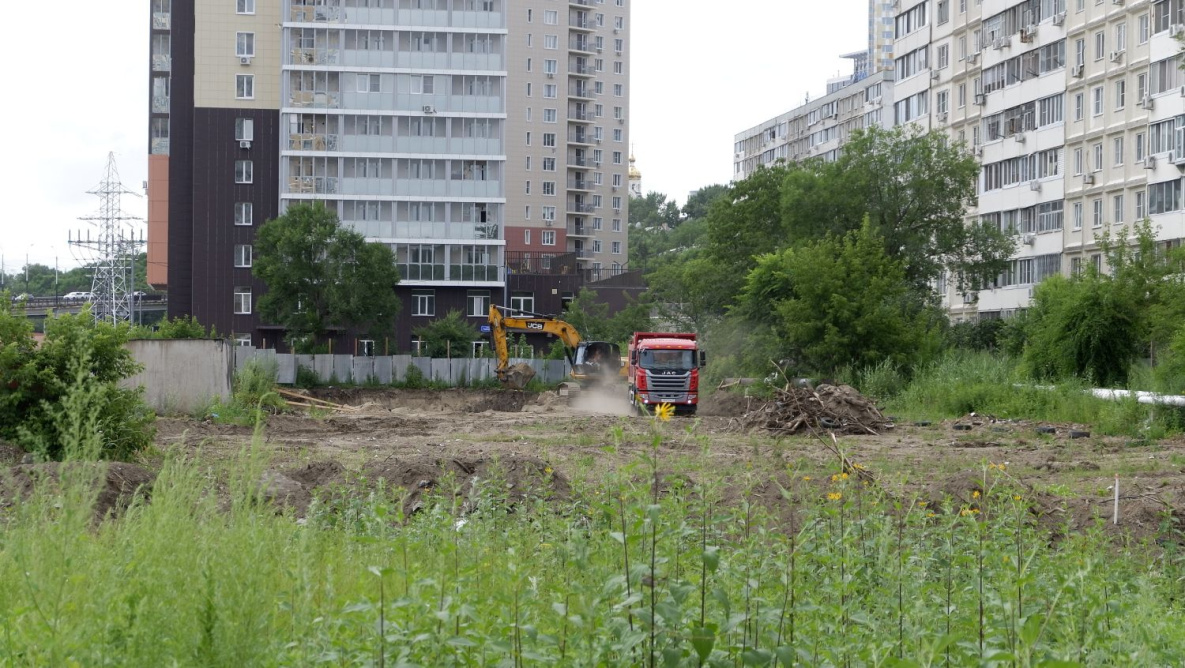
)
(827, 408)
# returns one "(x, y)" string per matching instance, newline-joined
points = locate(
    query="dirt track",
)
(416, 439)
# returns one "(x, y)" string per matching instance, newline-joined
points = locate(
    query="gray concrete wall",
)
(393, 369)
(182, 375)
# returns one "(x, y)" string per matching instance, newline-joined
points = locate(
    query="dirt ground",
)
(420, 440)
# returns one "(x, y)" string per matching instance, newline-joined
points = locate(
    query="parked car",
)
(78, 296)
(139, 294)
(22, 297)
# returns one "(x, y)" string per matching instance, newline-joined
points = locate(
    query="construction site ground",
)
(569, 445)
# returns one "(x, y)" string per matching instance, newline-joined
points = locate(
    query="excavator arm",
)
(501, 324)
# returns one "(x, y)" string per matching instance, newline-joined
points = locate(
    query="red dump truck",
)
(663, 368)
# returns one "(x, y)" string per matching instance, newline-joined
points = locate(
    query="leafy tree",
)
(692, 291)
(841, 301)
(320, 275)
(914, 187)
(181, 327)
(67, 388)
(699, 202)
(591, 318)
(744, 222)
(653, 210)
(450, 336)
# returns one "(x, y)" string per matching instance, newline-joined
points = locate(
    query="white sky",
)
(700, 75)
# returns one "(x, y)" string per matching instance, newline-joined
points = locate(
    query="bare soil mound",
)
(836, 408)
(120, 484)
(503, 401)
(10, 454)
(728, 404)
(519, 478)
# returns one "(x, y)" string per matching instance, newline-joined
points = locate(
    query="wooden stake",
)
(1115, 517)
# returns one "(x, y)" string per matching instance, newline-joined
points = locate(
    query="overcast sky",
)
(700, 75)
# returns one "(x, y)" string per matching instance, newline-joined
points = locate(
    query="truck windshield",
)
(667, 360)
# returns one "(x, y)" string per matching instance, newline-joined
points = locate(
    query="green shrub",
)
(450, 336)
(306, 377)
(78, 365)
(978, 335)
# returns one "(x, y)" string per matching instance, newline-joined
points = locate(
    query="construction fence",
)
(388, 369)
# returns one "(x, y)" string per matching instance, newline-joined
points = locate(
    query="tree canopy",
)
(320, 275)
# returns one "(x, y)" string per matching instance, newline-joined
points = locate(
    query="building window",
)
(617, 180)
(1141, 213)
(1118, 213)
(616, 224)
(548, 215)
(1121, 37)
(244, 129)
(1142, 28)
(548, 237)
(244, 171)
(1120, 94)
(523, 301)
(1097, 218)
(242, 255)
(242, 300)
(369, 83)
(527, 237)
(549, 115)
(548, 139)
(550, 66)
(245, 86)
(1077, 215)
(1164, 197)
(943, 56)
(245, 7)
(1098, 157)
(616, 248)
(549, 164)
(244, 213)
(551, 42)
(617, 203)
(423, 302)
(417, 345)
(549, 188)
(1140, 147)
(477, 303)
(242, 340)
(1118, 149)
(1097, 101)
(245, 44)
(550, 91)
(1100, 42)
(551, 17)
(596, 248)
(1078, 106)
(618, 89)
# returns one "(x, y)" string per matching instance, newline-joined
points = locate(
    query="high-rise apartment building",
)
(449, 130)
(1074, 108)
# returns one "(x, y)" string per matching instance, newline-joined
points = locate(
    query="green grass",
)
(989, 384)
(620, 575)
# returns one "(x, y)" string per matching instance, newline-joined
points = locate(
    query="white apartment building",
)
(817, 129)
(1074, 108)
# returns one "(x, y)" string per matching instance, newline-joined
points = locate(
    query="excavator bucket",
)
(517, 376)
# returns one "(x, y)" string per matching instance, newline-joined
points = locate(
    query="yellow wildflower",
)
(975, 494)
(547, 470)
(931, 514)
(968, 511)
(1016, 497)
(835, 496)
(664, 412)
(806, 477)
(923, 504)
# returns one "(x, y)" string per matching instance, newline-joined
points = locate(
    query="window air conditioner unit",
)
(981, 99)
(245, 143)
(1116, 56)
(1088, 180)
(549, 223)
(935, 75)
(244, 60)
(1150, 162)
(429, 109)
(1117, 2)
(1028, 33)
(621, 120)
(551, 75)
(1176, 30)
(1019, 137)
(942, 117)
(970, 297)
(1076, 71)
(1035, 186)
(1146, 102)
(979, 151)
(1002, 43)
(599, 49)
(973, 58)
(1059, 19)
(598, 140)
(1030, 239)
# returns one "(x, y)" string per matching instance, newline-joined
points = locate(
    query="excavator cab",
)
(596, 362)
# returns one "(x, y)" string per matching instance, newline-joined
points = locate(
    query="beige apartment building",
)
(567, 188)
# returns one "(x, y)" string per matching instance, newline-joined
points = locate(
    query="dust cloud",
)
(601, 401)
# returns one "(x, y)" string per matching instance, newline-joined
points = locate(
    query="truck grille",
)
(668, 387)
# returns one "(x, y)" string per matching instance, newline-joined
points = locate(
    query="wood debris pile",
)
(826, 408)
(306, 401)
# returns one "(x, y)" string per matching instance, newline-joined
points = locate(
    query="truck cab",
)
(663, 368)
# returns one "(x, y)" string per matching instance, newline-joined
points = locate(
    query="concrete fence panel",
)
(286, 369)
(181, 375)
(383, 369)
(363, 370)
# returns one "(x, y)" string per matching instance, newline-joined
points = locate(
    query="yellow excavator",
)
(591, 361)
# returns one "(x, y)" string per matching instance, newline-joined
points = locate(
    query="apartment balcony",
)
(313, 99)
(582, 70)
(161, 63)
(159, 146)
(580, 184)
(580, 207)
(582, 254)
(450, 272)
(316, 57)
(316, 14)
(579, 230)
(580, 138)
(581, 92)
(160, 104)
(162, 21)
(584, 24)
(581, 46)
(580, 116)
(580, 3)
(306, 141)
(580, 163)
(321, 185)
